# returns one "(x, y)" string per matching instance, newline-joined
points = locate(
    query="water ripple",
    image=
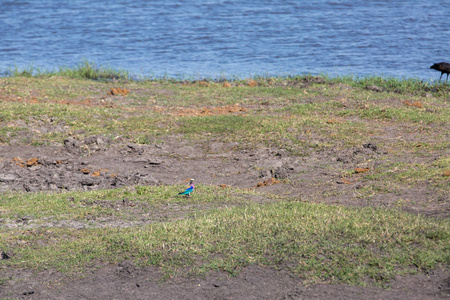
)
(216, 38)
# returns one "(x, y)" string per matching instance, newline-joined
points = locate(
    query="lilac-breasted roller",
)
(189, 190)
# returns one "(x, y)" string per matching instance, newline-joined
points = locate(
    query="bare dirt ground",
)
(98, 163)
(126, 281)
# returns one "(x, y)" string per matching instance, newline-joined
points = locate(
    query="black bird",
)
(443, 67)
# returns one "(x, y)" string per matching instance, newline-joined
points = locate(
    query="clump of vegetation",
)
(87, 70)
(84, 70)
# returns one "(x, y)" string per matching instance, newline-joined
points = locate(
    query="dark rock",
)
(28, 293)
(370, 146)
(4, 255)
(155, 161)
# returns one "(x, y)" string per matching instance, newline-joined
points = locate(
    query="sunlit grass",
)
(319, 242)
(75, 204)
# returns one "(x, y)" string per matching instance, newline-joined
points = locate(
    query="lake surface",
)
(229, 38)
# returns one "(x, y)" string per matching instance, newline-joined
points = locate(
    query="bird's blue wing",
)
(187, 191)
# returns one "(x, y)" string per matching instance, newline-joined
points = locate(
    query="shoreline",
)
(89, 70)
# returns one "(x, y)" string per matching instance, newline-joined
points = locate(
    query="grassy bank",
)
(88, 70)
(222, 229)
(275, 110)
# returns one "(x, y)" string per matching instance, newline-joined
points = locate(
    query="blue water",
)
(229, 38)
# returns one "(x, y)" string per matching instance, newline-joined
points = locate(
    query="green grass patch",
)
(77, 205)
(317, 242)
(392, 84)
(414, 174)
(408, 114)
